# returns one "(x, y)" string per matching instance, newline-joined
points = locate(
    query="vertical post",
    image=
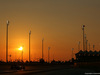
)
(89, 46)
(83, 36)
(22, 55)
(7, 42)
(86, 44)
(42, 47)
(93, 47)
(79, 46)
(48, 53)
(72, 52)
(29, 44)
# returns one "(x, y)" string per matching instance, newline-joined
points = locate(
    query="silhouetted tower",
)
(79, 46)
(83, 37)
(7, 42)
(42, 47)
(48, 54)
(29, 44)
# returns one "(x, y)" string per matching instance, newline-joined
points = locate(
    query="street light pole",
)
(7, 42)
(48, 53)
(42, 47)
(72, 52)
(86, 45)
(83, 36)
(29, 44)
(22, 55)
(89, 46)
(93, 47)
(79, 46)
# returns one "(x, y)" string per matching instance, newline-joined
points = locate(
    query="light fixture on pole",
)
(29, 44)
(7, 42)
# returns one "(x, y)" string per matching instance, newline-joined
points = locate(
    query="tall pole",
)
(29, 44)
(7, 42)
(83, 36)
(22, 55)
(48, 53)
(72, 52)
(79, 46)
(42, 47)
(93, 47)
(86, 44)
(89, 46)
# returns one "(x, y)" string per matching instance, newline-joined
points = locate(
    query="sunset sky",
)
(59, 22)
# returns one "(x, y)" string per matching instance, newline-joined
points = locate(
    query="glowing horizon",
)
(59, 22)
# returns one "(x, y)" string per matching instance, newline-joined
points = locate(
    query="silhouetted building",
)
(87, 56)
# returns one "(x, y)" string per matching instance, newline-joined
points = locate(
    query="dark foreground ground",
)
(61, 69)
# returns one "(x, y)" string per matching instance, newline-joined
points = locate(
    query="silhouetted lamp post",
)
(93, 47)
(7, 42)
(29, 44)
(85, 42)
(89, 46)
(72, 52)
(48, 54)
(83, 36)
(86, 45)
(79, 45)
(42, 47)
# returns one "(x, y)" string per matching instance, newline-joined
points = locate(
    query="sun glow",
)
(21, 48)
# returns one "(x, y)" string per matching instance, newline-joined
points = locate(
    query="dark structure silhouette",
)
(87, 56)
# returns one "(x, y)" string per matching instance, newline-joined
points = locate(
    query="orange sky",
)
(58, 21)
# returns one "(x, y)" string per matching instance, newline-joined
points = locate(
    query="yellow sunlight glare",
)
(21, 48)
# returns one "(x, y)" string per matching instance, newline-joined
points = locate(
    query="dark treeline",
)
(53, 62)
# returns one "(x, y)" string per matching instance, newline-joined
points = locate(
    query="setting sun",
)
(21, 48)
